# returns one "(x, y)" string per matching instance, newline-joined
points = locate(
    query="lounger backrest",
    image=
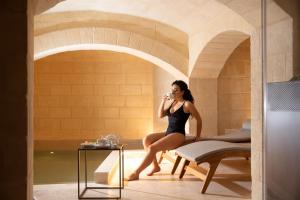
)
(198, 150)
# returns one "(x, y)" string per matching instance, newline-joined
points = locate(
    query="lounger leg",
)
(161, 157)
(210, 173)
(186, 163)
(177, 161)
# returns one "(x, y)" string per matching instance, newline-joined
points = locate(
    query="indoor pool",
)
(51, 167)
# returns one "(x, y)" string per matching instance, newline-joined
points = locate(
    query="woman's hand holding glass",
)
(169, 96)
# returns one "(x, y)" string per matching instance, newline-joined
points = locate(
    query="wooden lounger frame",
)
(213, 160)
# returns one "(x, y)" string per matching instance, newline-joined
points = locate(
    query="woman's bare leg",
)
(147, 141)
(168, 142)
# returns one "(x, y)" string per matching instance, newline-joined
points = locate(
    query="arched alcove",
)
(215, 53)
(87, 94)
(204, 77)
(234, 90)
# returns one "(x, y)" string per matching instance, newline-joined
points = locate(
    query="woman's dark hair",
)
(187, 95)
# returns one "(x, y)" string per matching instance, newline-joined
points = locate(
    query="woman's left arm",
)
(190, 107)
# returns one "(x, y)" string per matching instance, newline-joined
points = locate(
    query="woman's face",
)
(176, 91)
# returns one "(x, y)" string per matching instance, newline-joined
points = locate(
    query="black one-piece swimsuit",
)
(177, 120)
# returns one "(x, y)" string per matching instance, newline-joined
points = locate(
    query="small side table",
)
(84, 150)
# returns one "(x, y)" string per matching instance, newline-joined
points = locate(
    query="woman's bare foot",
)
(154, 170)
(133, 176)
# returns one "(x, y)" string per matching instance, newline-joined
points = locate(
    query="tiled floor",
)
(164, 186)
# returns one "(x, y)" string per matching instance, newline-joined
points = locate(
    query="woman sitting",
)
(182, 106)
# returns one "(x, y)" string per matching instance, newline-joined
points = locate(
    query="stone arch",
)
(204, 75)
(161, 44)
(110, 37)
(215, 53)
(75, 47)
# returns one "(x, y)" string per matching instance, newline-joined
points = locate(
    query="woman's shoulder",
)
(188, 104)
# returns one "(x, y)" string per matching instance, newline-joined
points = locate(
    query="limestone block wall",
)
(86, 94)
(234, 90)
(280, 50)
(287, 28)
(205, 95)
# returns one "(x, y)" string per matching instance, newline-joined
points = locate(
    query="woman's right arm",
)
(161, 110)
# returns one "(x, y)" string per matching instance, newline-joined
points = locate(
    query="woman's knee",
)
(146, 141)
(153, 148)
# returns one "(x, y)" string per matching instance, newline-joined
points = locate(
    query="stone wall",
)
(85, 94)
(234, 105)
(205, 95)
(292, 7)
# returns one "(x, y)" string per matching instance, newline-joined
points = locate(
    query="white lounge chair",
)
(211, 152)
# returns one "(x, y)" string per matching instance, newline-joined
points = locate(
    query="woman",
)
(178, 113)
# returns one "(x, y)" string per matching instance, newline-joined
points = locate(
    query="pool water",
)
(52, 167)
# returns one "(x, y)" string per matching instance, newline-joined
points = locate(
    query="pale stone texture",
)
(77, 101)
(280, 50)
(205, 94)
(234, 89)
(56, 39)
(215, 53)
(256, 116)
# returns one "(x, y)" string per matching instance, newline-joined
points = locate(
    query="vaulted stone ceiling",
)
(186, 15)
(173, 34)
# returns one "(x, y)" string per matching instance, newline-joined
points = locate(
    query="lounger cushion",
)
(198, 150)
(236, 136)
